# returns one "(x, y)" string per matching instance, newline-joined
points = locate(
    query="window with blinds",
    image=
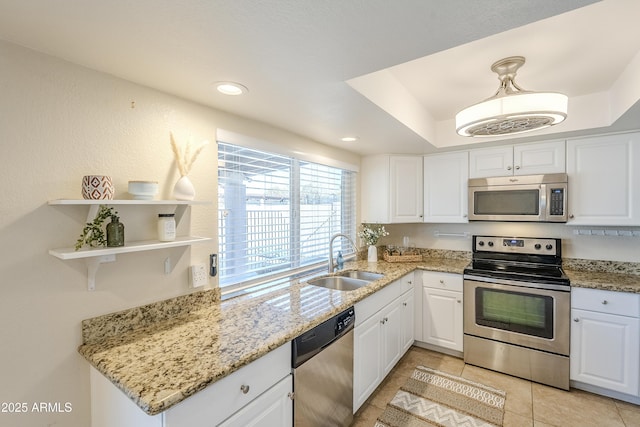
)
(277, 214)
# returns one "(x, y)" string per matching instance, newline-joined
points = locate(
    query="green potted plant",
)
(93, 233)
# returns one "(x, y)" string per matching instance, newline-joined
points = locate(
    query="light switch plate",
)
(198, 275)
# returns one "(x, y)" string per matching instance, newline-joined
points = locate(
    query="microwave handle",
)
(543, 202)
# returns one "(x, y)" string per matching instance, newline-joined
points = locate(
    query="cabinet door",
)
(494, 161)
(442, 318)
(374, 186)
(405, 191)
(273, 408)
(407, 307)
(367, 360)
(603, 180)
(445, 187)
(539, 158)
(392, 320)
(604, 350)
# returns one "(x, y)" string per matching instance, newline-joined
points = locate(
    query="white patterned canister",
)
(97, 187)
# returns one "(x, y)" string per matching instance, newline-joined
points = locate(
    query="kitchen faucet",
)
(331, 264)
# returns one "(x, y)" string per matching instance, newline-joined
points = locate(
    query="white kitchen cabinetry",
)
(521, 159)
(96, 256)
(391, 189)
(442, 310)
(445, 187)
(604, 180)
(258, 391)
(384, 321)
(605, 342)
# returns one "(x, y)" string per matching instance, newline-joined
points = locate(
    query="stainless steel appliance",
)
(517, 309)
(322, 360)
(535, 198)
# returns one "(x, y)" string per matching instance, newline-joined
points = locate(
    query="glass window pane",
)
(277, 213)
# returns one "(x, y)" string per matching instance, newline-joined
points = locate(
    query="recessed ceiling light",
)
(349, 139)
(231, 88)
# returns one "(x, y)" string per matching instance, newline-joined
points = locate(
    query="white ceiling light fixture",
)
(231, 88)
(511, 109)
(349, 139)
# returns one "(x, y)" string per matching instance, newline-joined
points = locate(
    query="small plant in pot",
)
(93, 233)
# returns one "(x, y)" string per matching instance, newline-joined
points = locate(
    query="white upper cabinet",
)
(521, 159)
(391, 189)
(604, 181)
(445, 187)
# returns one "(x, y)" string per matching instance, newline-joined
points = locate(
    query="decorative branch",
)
(185, 160)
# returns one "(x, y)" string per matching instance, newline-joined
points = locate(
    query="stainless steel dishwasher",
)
(322, 361)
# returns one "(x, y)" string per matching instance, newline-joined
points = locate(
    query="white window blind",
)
(278, 213)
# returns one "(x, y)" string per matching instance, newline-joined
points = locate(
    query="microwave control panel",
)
(556, 201)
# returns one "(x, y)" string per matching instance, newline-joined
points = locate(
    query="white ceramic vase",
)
(183, 189)
(372, 254)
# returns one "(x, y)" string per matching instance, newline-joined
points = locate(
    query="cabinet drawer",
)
(223, 398)
(611, 302)
(374, 303)
(449, 281)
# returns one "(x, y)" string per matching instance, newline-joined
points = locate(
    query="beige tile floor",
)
(528, 404)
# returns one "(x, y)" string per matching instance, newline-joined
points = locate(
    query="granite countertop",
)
(162, 353)
(606, 275)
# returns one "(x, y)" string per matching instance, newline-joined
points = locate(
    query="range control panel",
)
(517, 245)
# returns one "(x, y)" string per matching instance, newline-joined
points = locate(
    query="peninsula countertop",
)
(160, 354)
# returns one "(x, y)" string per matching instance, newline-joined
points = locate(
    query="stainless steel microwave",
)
(533, 198)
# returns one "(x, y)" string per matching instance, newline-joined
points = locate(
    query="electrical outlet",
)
(198, 275)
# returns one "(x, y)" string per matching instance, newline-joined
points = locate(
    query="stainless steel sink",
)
(347, 281)
(339, 283)
(362, 275)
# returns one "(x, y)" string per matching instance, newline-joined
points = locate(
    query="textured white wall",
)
(59, 122)
(619, 248)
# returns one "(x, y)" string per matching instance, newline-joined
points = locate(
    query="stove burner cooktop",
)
(532, 260)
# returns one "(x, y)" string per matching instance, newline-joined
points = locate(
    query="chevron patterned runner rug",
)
(434, 398)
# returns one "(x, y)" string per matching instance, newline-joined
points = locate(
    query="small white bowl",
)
(143, 190)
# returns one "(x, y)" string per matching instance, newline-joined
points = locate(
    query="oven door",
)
(529, 317)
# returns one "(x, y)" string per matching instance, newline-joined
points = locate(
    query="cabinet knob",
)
(517, 167)
(441, 282)
(404, 303)
(508, 168)
(244, 388)
(410, 282)
(576, 319)
(571, 216)
(291, 395)
(458, 301)
(605, 302)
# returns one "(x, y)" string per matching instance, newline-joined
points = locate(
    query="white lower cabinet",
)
(383, 333)
(256, 394)
(442, 310)
(272, 408)
(605, 341)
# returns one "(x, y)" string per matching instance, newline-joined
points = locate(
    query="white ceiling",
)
(394, 73)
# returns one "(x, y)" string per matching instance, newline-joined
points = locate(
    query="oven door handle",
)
(549, 286)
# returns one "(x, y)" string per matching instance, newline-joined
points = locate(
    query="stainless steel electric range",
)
(517, 309)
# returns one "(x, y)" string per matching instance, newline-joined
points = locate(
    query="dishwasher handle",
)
(312, 342)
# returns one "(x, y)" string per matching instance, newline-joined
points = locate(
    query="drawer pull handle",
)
(605, 302)
(244, 388)
(576, 319)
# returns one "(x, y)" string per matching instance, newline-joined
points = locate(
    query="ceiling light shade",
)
(511, 109)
